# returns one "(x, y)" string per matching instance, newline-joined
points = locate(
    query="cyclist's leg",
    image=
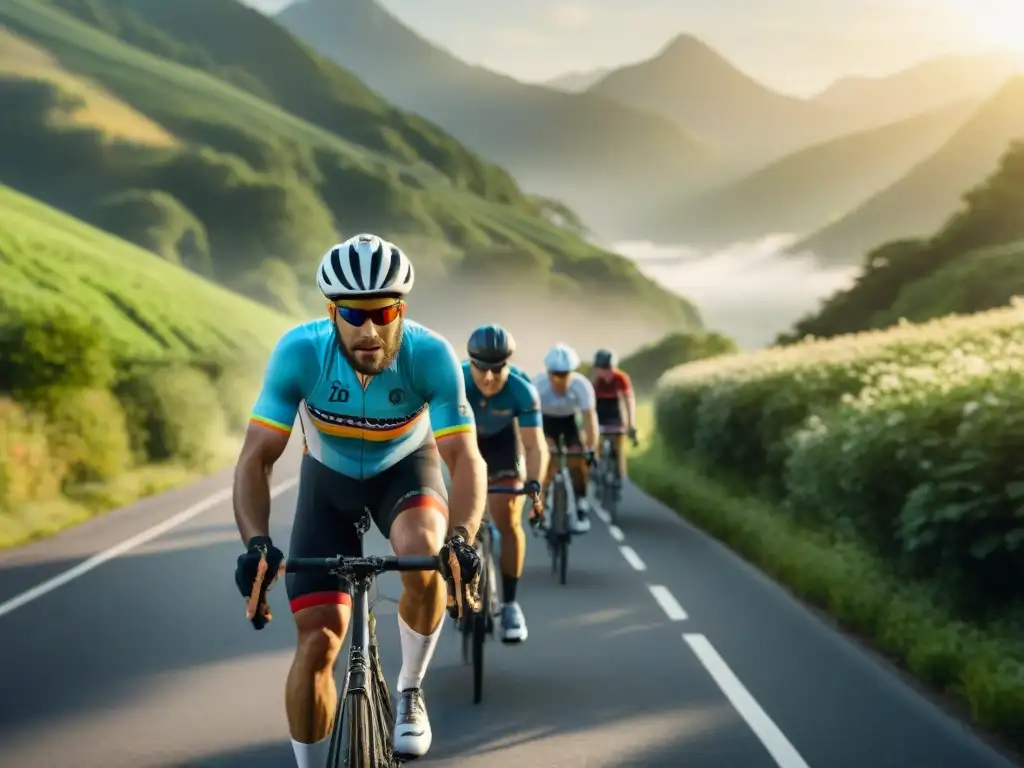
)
(551, 432)
(412, 512)
(618, 441)
(505, 468)
(579, 472)
(320, 604)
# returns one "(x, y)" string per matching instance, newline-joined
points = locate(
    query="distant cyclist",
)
(378, 398)
(616, 403)
(565, 395)
(506, 407)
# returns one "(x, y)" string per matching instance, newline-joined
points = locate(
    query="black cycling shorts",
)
(503, 453)
(330, 506)
(563, 425)
(609, 412)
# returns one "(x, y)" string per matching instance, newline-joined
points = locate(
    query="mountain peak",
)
(686, 48)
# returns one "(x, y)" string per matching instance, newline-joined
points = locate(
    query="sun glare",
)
(999, 23)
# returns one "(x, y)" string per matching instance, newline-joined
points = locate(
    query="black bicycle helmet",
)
(604, 358)
(490, 344)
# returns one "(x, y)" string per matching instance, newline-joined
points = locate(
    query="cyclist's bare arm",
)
(469, 480)
(589, 429)
(628, 399)
(262, 448)
(536, 449)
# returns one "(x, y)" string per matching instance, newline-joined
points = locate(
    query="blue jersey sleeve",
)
(441, 381)
(284, 383)
(527, 403)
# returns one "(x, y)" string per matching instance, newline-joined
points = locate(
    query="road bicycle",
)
(476, 627)
(606, 477)
(558, 532)
(364, 723)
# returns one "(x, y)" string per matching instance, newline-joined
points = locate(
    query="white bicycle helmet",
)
(561, 358)
(365, 266)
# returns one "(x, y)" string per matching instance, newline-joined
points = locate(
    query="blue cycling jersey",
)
(358, 432)
(518, 399)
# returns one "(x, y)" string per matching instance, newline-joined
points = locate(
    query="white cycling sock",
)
(311, 755)
(417, 650)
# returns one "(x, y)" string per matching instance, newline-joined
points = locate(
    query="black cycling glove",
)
(248, 569)
(633, 437)
(532, 488)
(460, 567)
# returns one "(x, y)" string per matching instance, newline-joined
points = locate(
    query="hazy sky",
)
(794, 45)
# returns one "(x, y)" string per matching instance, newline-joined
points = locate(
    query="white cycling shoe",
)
(412, 726)
(513, 624)
(580, 522)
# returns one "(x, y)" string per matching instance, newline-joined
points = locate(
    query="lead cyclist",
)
(381, 400)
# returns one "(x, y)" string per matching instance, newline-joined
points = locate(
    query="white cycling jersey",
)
(579, 395)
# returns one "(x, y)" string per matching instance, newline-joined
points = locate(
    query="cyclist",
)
(616, 403)
(379, 399)
(501, 395)
(564, 394)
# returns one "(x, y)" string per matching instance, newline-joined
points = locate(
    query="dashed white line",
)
(119, 549)
(778, 746)
(616, 532)
(602, 515)
(633, 558)
(668, 603)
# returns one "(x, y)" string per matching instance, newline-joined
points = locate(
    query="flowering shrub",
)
(912, 438)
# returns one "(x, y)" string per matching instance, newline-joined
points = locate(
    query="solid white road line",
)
(668, 603)
(119, 549)
(778, 746)
(616, 532)
(633, 558)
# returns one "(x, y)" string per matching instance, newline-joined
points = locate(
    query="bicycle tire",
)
(383, 723)
(479, 622)
(356, 751)
(559, 526)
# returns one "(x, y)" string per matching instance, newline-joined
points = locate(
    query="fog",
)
(749, 291)
(536, 320)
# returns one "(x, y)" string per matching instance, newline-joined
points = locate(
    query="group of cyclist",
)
(381, 401)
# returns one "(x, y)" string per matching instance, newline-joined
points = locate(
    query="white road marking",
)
(119, 549)
(778, 746)
(616, 532)
(668, 603)
(602, 514)
(633, 558)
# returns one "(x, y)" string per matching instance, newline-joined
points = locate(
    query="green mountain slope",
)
(919, 201)
(921, 88)
(804, 190)
(692, 84)
(576, 82)
(972, 263)
(253, 193)
(604, 160)
(146, 306)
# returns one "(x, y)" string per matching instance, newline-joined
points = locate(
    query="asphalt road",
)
(672, 652)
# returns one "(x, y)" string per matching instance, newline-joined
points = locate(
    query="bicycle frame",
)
(360, 572)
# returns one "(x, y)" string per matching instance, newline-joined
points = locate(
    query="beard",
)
(389, 352)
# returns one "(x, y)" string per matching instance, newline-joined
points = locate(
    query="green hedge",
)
(909, 438)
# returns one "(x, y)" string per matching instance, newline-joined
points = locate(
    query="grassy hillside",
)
(802, 191)
(971, 263)
(696, 87)
(924, 87)
(122, 374)
(918, 203)
(253, 193)
(603, 159)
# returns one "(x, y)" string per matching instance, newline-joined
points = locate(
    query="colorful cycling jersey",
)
(358, 432)
(579, 395)
(518, 399)
(608, 387)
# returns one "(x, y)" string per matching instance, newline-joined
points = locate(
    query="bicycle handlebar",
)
(374, 564)
(509, 491)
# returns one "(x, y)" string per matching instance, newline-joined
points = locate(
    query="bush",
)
(27, 469)
(905, 438)
(88, 435)
(174, 413)
(49, 345)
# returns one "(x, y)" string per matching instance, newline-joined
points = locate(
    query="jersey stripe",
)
(449, 431)
(277, 426)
